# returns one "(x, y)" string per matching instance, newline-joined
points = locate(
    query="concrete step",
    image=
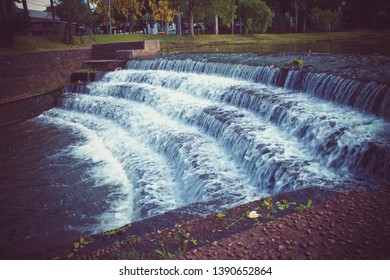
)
(104, 65)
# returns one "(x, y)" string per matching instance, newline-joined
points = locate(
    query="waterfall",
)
(206, 130)
(370, 97)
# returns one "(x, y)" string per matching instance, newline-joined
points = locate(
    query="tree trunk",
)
(216, 31)
(25, 8)
(296, 16)
(240, 25)
(178, 28)
(191, 19)
(53, 15)
(233, 24)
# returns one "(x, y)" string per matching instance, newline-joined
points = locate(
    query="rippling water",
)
(169, 132)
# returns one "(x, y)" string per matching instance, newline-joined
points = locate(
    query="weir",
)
(228, 134)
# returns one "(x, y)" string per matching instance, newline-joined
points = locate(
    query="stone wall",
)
(27, 108)
(23, 73)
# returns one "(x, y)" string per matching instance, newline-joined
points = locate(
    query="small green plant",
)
(164, 253)
(220, 215)
(270, 216)
(184, 238)
(296, 63)
(86, 71)
(302, 207)
(283, 204)
(267, 202)
(81, 243)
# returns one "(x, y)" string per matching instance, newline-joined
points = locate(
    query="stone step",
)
(104, 65)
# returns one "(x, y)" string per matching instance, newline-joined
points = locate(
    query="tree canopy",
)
(255, 16)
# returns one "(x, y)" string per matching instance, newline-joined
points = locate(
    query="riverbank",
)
(352, 225)
(171, 43)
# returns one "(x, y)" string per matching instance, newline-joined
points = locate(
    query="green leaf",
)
(159, 252)
(220, 215)
(309, 203)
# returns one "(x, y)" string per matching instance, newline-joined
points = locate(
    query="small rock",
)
(308, 231)
(194, 251)
(273, 240)
(280, 248)
(311, 244)
(214, 243)
(332, 241)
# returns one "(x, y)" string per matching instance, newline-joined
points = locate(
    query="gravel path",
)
(354, 225)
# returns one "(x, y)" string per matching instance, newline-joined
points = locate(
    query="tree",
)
(12, 21)
(256, 14)
(324, 19)
(72, 11)
(125, 11)
(163, 10)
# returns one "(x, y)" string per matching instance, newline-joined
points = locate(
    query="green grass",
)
(25, 44)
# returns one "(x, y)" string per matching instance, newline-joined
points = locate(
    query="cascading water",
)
(172, 131)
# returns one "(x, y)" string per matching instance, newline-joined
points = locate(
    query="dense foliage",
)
(206, 16)
(12, 21)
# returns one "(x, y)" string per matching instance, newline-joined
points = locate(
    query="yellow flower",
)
(253, 215)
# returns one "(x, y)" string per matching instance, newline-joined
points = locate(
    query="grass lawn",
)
(43, 43)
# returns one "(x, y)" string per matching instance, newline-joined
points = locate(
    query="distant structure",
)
(43, 23)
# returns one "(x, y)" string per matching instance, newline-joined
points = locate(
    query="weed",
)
(302, 207)
(283, 204)
(183, 238)
(163, 253)
(296, 63)
(220, 215)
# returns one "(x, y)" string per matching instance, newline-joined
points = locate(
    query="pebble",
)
(311, 244)
(214, 243)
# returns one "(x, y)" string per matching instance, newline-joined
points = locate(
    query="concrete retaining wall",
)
(108, 51)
